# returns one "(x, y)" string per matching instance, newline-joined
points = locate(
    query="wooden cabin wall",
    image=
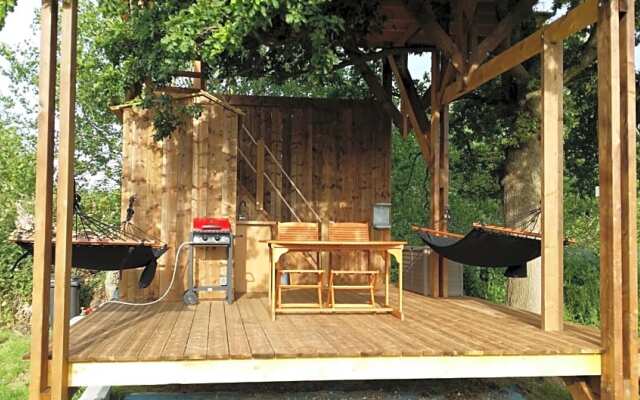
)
(192, 173)
(338, 153)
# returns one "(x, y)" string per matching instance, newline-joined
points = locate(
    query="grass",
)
(13, 369)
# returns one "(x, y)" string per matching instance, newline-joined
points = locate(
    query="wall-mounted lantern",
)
(382, 216)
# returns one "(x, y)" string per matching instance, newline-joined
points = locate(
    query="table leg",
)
(276, 253)
(386, 279)
(397, 254)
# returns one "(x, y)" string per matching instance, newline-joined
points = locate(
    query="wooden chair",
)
(351, 232)
(298, 231)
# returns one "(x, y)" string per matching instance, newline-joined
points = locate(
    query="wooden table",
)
(278, 248)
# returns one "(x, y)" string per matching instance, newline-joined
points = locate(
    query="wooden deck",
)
(454, 328)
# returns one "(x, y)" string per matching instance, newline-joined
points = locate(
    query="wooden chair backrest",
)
(297, 231)
(348, 231)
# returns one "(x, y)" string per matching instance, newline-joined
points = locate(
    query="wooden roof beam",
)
(379, 92)
(499, 34)
(575, 20)
(423, 13)
(414, 105)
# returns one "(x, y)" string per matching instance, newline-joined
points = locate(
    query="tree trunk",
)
(522, 189)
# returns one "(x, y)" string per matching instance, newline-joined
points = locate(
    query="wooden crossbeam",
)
(501, 31)
(409, 94)
(575, 20)
(413, 105)
(423, 13)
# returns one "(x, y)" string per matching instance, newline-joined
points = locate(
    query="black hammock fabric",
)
(112, 257)
(487, 249)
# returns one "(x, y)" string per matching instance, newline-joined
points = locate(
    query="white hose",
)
(166, 292)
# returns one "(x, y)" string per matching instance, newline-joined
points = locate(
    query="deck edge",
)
(143, 373)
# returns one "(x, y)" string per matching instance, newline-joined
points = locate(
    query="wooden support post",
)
(443, 196)
(64, 208)
(44, 201)
(260, 175)
(610, 162)
(552, 195)
(436, 212)
(629, 201)
(200, 82)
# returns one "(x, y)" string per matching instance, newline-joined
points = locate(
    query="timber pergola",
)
(460, 64)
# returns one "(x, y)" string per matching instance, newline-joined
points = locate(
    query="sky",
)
(18, 29)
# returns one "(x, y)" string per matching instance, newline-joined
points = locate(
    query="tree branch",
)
(587, 57)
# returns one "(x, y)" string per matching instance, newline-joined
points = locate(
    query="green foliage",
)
(582, 285)
(409, 186)
(6, 6)
(270, 41)
(13, 368)
(16, 186)
(100, 84)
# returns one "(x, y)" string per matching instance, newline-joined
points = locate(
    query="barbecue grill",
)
(210, 232)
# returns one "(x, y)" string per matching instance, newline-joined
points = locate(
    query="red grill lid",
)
(212, 224)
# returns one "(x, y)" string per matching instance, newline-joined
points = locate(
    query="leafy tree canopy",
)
(271, 39)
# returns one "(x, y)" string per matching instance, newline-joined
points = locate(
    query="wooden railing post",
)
(64, 208)
(629, 201)
(608, 43)
(44, 201)
(552, 187)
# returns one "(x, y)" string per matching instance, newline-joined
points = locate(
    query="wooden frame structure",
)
(453, 75)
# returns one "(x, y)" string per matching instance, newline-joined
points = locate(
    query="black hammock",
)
(102, 247)
(488, 247)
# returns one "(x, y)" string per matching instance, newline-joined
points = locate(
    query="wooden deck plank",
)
(85, 332)
(308, 329)
(585, 335)
(276, 335)
(97, 344)
(175, 347)
(152, 350)
(533, 338)
(217, 343)
(144, 333)
(236, 335)
(197, 344)
(258, 342)
(124, 340)
(215, 330)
